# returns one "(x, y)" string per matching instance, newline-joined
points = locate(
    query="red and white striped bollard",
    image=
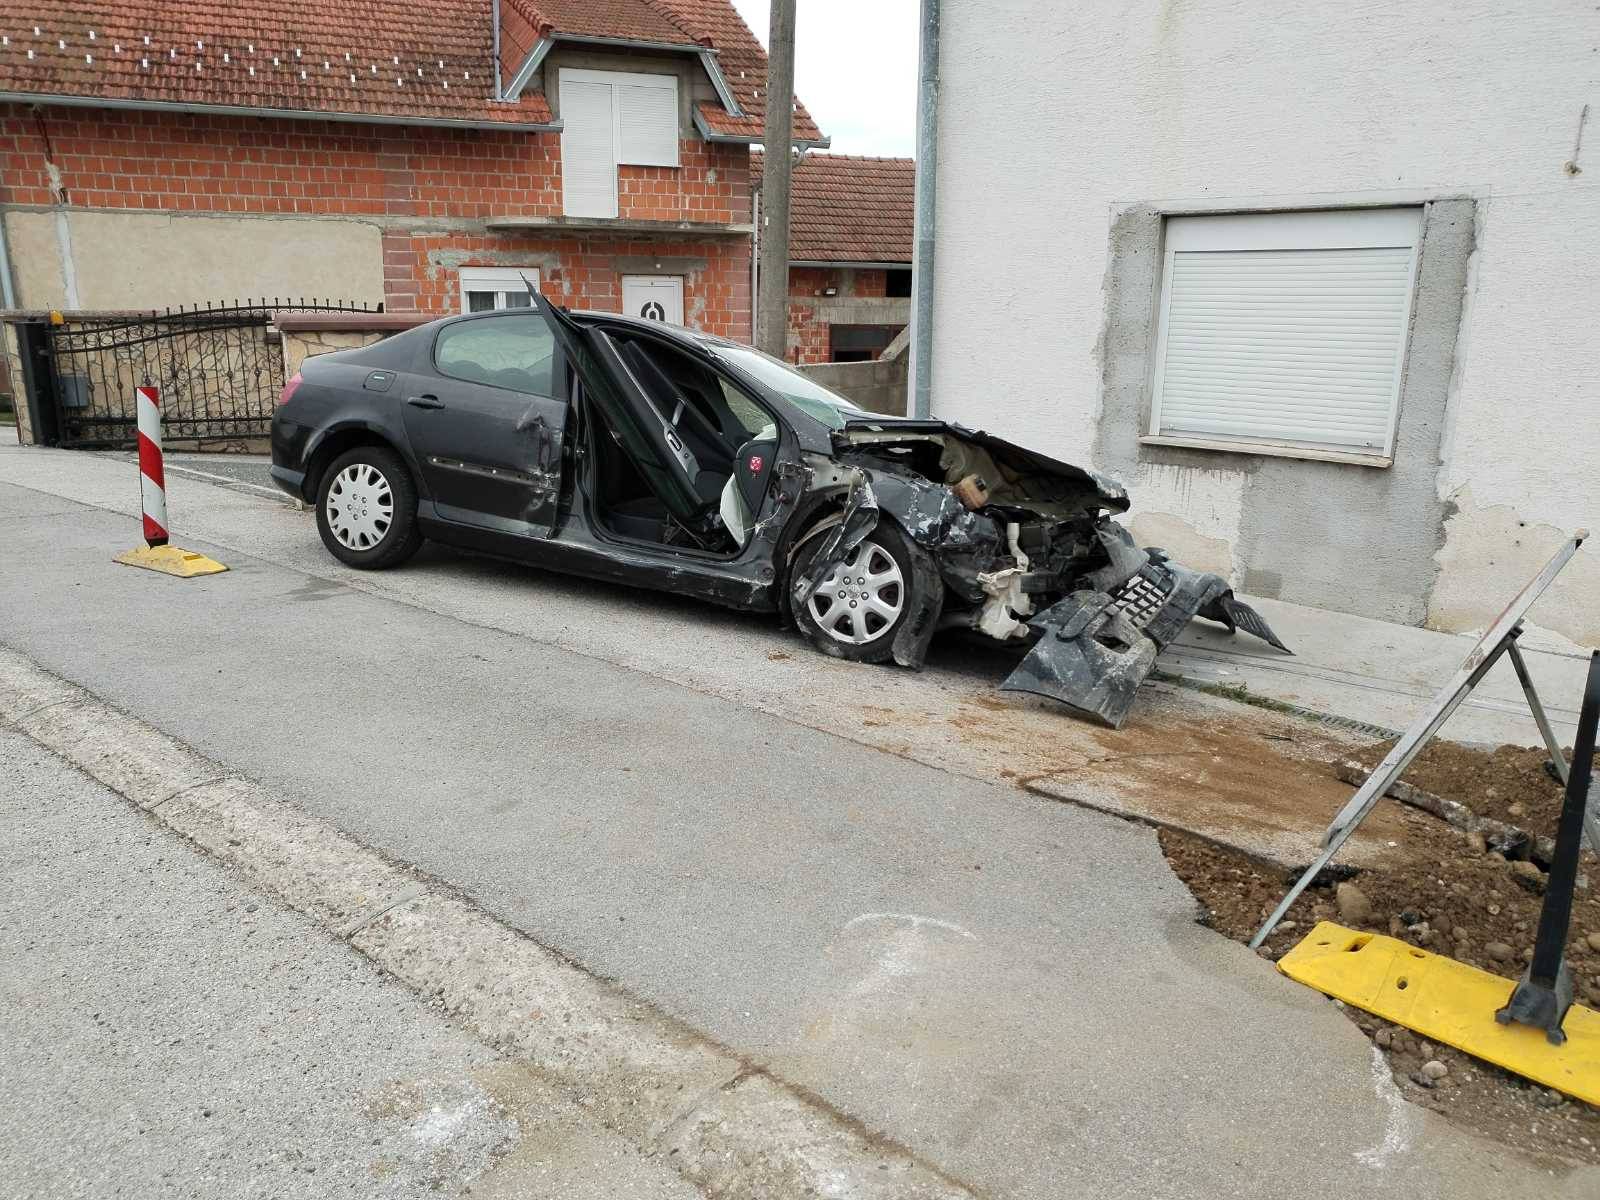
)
(152, 479)
(157, 554)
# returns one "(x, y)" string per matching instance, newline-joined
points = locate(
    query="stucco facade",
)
(1138, 112)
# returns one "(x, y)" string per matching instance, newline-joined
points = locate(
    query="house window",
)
(487, 288)
(897, 282)
(611, 119)
(1285, 331)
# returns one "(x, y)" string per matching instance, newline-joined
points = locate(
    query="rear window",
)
(515, 352)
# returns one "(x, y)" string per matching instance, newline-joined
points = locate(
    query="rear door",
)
(647, 435)
(486, 417)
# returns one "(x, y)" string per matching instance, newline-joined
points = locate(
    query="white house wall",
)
(1068, 130)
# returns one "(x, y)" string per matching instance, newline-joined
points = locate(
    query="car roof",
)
(677, 333)
(588, 316)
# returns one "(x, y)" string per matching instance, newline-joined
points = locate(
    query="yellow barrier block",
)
(1445, 1001)
(170, 560)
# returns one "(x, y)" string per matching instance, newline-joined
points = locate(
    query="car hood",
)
(1016, 460)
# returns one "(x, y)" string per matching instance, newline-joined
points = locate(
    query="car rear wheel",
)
(863, 600)
(367, 509)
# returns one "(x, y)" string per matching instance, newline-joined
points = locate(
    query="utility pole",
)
(772, 303)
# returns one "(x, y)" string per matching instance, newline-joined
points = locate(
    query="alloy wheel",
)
(863, 596)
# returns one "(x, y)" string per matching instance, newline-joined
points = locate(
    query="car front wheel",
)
(862, 601)
(367, 509)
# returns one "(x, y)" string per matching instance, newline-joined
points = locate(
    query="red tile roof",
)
(849, 209)
(411, 59)
(426, 59)
(632, 20)
(744, 65)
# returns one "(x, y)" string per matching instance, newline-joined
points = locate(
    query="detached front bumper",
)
(1096, 648)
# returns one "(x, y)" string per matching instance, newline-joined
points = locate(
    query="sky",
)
(855, 68)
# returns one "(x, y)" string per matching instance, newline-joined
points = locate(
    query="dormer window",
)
(611, 119)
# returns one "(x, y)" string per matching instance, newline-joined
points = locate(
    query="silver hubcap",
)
(861, 598)
(360, 506)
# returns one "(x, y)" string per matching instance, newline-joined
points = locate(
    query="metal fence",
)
(219, 369)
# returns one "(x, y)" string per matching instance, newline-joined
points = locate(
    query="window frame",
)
(493, 279)
(557, 361)
(1308, 228)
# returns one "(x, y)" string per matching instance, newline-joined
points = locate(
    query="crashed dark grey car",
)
(631, 451)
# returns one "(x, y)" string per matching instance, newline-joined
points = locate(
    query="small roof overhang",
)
(679, 229)
(850, 265)
(707, 55)
(750, 139)
(294, 114)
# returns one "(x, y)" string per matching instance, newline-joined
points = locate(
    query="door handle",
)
(425, 401)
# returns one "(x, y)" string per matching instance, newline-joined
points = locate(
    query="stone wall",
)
(301, 344)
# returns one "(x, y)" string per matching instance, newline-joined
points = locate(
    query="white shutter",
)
(647, 122)
(588, 150)
(1286, 327)
(497, 287)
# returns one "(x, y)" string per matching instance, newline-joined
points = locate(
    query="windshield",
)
(830, 408)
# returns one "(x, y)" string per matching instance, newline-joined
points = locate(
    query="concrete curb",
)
(721, 1121)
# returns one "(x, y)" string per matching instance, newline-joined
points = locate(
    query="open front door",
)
(648, 436)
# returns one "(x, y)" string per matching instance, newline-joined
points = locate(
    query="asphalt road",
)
(1015, 990)
(168, 1034)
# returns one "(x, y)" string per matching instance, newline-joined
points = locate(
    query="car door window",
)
(515, 352)
(750, 416)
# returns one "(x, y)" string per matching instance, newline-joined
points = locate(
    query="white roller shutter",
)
(612, 117)
(647, 121)
(588, 153)
(1285, 327)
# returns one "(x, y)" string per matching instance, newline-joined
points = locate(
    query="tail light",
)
(289, 389)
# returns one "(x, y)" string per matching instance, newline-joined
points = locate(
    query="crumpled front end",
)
(1096, 647)
(1024, 546)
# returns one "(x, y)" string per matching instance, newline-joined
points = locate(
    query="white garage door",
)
(654, 297)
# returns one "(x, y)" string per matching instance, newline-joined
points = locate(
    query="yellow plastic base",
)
(170, 560)
(1446, 1001)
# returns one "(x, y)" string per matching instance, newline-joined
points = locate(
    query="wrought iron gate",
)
(219, 371)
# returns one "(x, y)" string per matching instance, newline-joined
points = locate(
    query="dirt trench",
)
(1446, 891)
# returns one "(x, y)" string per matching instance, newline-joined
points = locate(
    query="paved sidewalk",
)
(1356, 668)
(168, 1032)
(1382, 674)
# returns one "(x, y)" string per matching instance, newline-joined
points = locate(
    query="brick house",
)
(850, 232)
(422, 153)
